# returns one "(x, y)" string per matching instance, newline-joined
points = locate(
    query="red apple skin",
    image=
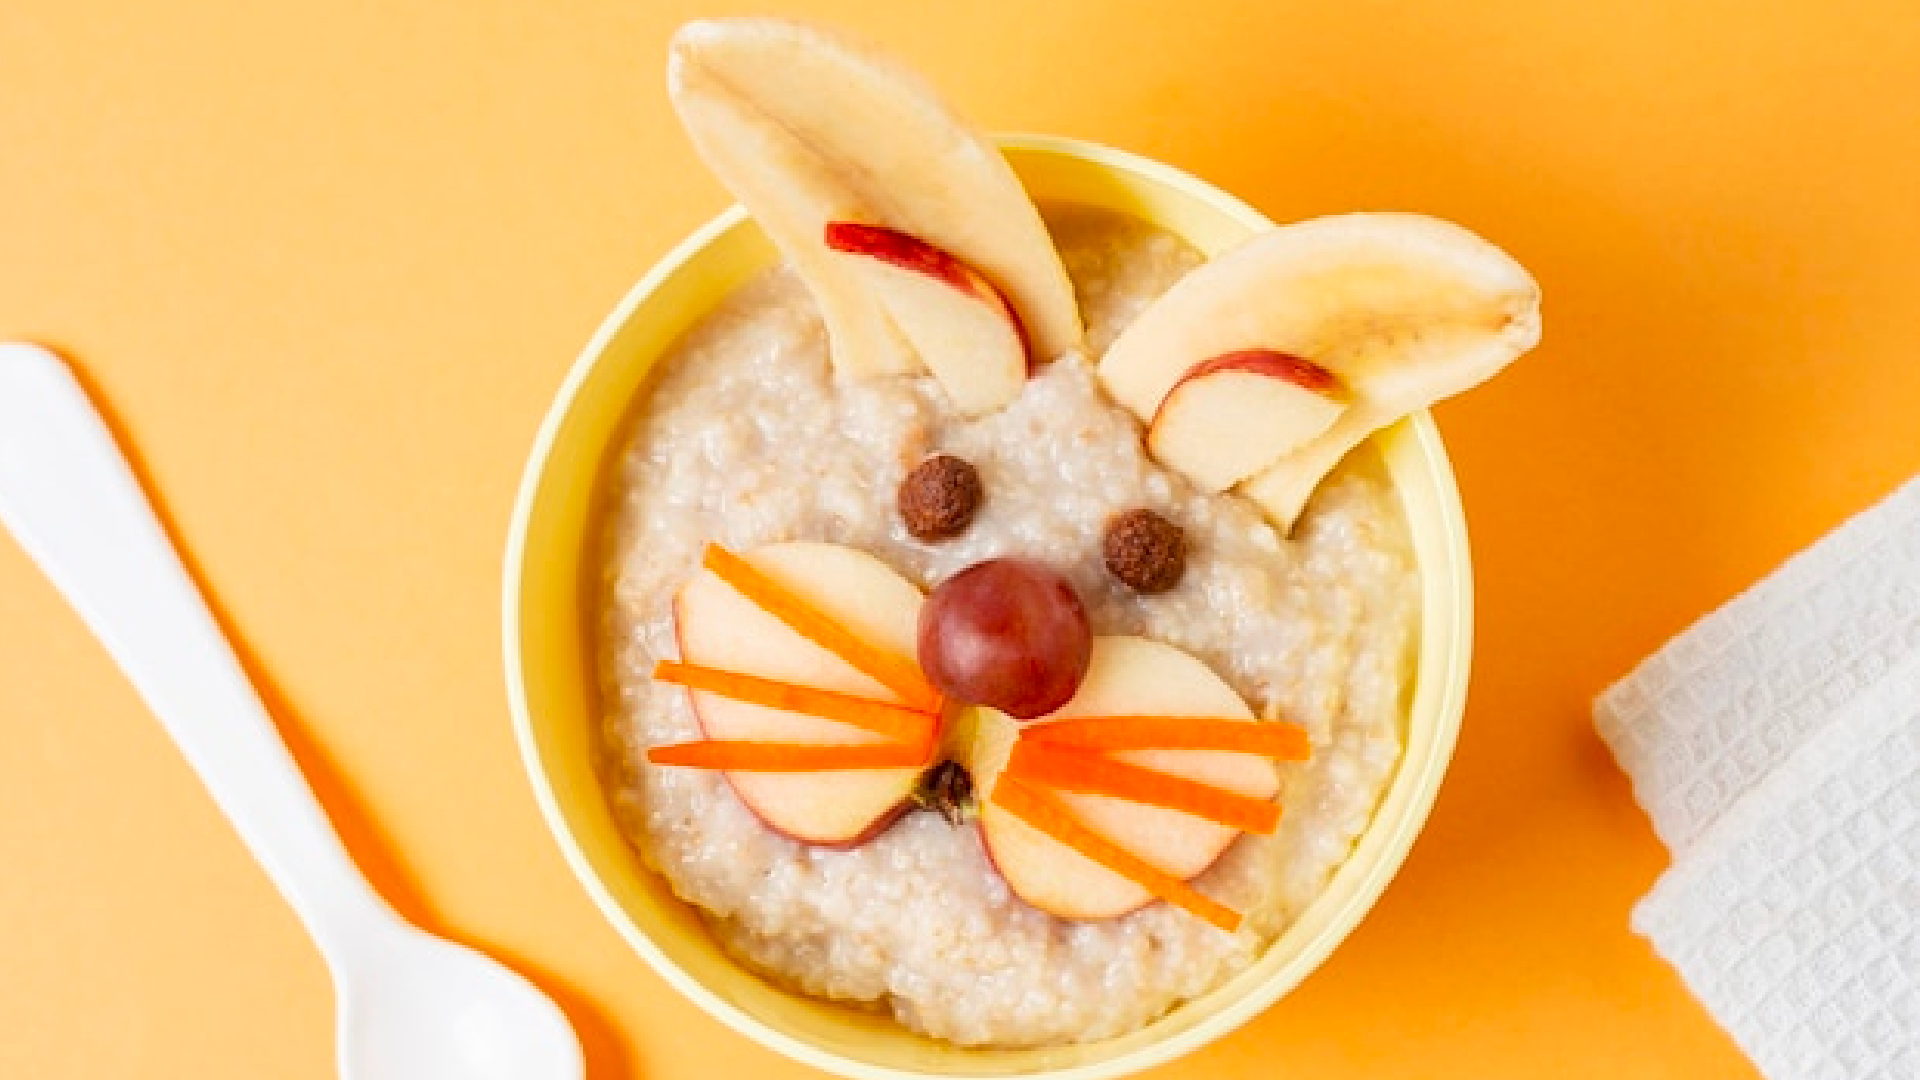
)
(1283, 366)
(882, 824)
(912, 253)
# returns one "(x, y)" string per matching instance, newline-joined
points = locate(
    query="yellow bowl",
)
(550, 595)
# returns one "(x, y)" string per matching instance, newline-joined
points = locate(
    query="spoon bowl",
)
(418, 1007)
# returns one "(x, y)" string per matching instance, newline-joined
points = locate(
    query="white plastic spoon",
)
(411, 1006)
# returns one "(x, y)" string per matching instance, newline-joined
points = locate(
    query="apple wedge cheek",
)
(721, 628)
(1047, 815)
(1124, 676)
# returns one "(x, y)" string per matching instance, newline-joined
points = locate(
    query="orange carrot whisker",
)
(1281, 741)
(896, 722)
(1087, 773)
(739, 756)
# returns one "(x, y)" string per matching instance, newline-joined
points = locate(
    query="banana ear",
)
(1261, 369)
(904, 222)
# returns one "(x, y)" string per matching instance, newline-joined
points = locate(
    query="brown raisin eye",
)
(1145, 551)
(938, 498)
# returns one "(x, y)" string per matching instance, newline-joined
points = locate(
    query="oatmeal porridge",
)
(747, 437)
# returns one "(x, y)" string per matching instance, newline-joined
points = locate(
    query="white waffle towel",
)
(1776, 747)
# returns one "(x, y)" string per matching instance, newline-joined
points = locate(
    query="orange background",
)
(326, 265)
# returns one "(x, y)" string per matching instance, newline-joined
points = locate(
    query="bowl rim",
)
(1453, 549)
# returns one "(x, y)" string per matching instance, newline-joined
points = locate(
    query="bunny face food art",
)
(1006, 623)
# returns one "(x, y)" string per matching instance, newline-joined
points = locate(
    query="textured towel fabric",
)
(1776, 747)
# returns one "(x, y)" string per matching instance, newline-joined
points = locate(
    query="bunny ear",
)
(810, 131)
(1262, 368)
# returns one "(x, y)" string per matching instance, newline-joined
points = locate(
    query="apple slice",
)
(719, 627)
(955, 319)
(1231, 416)
(1403, 309)
(805, 127)
(1127, 676)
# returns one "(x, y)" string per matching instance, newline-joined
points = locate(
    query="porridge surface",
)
(746, 438)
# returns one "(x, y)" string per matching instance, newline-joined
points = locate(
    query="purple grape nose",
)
(1011, 634)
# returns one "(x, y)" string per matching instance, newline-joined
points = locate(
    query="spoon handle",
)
(73, 503)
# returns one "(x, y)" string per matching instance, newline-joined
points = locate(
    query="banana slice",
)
(807, 129)
(793, 193)
(1402, 309)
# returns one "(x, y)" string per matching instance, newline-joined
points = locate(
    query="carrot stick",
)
(1280, 741)
(896, 673)
(786, 757)
(1090, 774)
(1045, 813)
(896, 722)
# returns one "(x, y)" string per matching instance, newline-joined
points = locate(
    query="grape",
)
(1007, 633)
